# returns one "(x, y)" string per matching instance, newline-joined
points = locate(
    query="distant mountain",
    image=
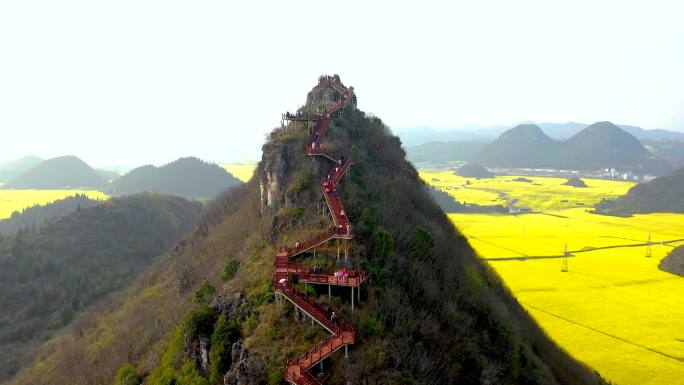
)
(49, 273)
(525, 145)
(655, 134)
(187, 177)
(601, 145)
(670, 150)
(419, 136)
(40, 214)
(558, 131)
(474, 170)
(64, 172)
(664, 194)
(561, 131)
(443, 151)
(605, 145)
(12, 169)
(107, 175)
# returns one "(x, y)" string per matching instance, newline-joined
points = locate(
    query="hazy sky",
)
(130, 82)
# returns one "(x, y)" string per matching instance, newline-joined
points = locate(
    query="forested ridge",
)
(187, 177)
(664, 194)
(49, 272)
(37, 215)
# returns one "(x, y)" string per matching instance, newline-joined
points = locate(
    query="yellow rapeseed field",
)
(541, 193)
(242, 171)
(17, 200)
(613, 309)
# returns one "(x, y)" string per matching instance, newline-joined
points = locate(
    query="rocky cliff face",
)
(323, 94)
(245, 369)
(272, 172)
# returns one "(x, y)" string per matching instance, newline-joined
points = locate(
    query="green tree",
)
(230, 269)
(226, 333)
(203, 293)
(371, 326)
(367, 222)
(420, 244)
(382, 245)
(199, 321)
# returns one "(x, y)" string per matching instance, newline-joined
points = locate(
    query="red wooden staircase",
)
(342, 335)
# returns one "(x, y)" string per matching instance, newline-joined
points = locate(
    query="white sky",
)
(131, 82)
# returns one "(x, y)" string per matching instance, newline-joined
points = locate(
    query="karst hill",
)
(188, 177)
(664, 194)
(600, 145)
(58, 173)
(334, 220)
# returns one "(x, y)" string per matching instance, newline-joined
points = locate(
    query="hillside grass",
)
(17, 200)
(614, 309)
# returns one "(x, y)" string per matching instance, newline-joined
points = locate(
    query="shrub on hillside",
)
(204, 293)
(230, 269)
(199, 321)
(226, 333)
(127, 375)
(371, 326)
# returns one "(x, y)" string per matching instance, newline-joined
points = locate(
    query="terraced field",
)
(17, 200)
(613, 308)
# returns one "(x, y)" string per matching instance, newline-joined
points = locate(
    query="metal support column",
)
(277, 301)
(329, 292)
(352, 297)
(346, 249)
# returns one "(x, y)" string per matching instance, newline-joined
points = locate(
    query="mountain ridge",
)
(188, 177)
(600, 145)
(525, 145)
(51, 272)
(11, 169)
(63, 172)
(557, 131)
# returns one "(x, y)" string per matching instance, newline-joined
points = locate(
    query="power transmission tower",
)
(564, 268)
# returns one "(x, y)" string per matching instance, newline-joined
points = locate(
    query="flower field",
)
(17, 200)
(613, 308)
